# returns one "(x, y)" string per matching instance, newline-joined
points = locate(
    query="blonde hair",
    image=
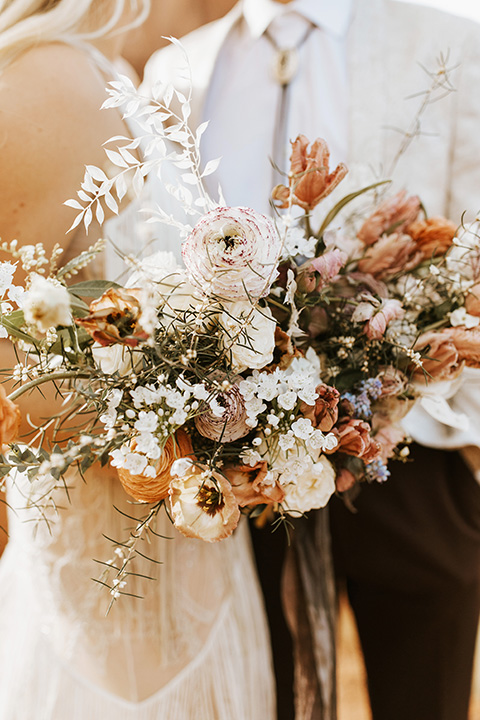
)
(25, 23)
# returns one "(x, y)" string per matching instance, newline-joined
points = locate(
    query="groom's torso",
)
(393, 53)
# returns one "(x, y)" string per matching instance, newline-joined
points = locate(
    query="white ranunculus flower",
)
(253, 348)
(233, 253)
(115, 358)
(46, 304)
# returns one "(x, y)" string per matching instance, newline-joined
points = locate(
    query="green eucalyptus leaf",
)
(91, 288)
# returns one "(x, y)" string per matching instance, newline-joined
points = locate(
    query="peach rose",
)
(249, 486)
(395, 213)
(114, 318)
(390, 255)
(152, 490)
(441, 361)
(467, 344)
(310, 179)
(10, 419)
(432, 236)
(203, 505)
(354, 439)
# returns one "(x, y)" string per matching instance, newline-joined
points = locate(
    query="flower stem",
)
(64, 375)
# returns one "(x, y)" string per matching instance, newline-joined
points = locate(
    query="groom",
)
(411, 552)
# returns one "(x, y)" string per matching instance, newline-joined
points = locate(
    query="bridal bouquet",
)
(270, 369)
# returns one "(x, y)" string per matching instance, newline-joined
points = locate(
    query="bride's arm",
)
(51, 126)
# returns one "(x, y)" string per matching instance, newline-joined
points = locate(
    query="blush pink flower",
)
(389, 310)
(390, 255)
(310, 179)
(393, 214)
(203, 505)
(329, 265)
(250, 487)
(233, 253)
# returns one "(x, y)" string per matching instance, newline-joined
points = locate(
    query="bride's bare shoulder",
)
(50, 128)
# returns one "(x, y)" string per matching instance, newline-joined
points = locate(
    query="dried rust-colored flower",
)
(115, 318)
(354, 438)
(393, 214)
(432, 236)
(9, 419)
(249, 486)
(310, 179)
(151, 490)
(324, 414)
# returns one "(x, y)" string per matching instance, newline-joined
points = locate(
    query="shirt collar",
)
(333, 17)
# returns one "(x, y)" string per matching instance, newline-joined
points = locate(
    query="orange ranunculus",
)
(151, 490)
(309, 179)
(114, 318)
(432, 236)
(9, 419)
(393, 213)
(249, 487)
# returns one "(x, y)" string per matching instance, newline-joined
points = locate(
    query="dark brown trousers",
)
(411, 558)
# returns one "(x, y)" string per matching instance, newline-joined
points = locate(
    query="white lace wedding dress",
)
(196, 646)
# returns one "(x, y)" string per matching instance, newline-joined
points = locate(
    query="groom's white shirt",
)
(375, 57)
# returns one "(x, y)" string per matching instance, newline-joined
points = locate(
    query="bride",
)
(196, 645)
